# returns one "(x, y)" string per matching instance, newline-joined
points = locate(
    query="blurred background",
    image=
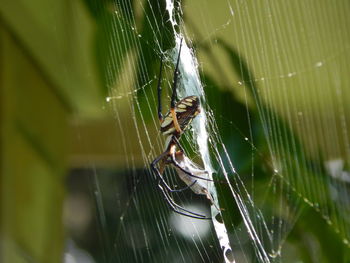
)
(79, 128)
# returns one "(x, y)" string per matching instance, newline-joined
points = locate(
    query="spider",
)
(173, 124)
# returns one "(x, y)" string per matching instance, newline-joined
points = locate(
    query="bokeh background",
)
(75, 180)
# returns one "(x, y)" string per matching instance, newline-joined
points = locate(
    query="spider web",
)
(273, 132)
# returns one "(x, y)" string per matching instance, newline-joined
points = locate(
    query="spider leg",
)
(159, 89)
(173, 96)
(175, 207)
(176, 141)
(157, 172)
(185, 188)
(160, 177)
(175, 163)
